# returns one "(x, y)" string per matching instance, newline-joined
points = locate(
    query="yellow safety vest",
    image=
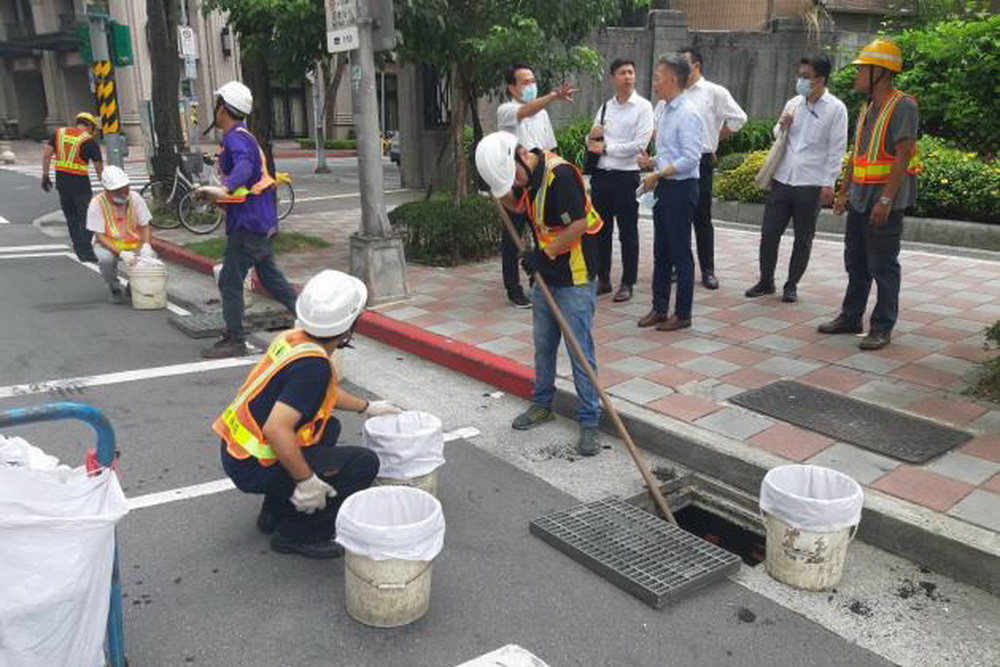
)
(69, 140)
(121, 232)
(871, 165)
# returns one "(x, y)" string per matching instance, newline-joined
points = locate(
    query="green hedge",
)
(755, 135)
(954, 184)
(572, 138)
(438, 233)
(331, 144)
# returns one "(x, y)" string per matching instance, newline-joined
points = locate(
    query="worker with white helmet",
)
(251, 218)
(279, 437)
(119, 220)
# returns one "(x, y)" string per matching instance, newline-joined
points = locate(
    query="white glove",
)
(311, 494)
(376, 408)
(147, 251)
(127, 256)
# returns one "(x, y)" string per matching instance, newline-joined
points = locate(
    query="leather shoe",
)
(789, 294)
(709, 280)
(875, 340)
(760, 289)
(603, 287)
(652, 318)
(673, 323)
(624, 294)
(839, 326)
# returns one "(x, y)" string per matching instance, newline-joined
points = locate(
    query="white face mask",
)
(803, 86)
(529, 92)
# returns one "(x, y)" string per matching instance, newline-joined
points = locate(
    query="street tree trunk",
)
(335, 74)
(459, 96)
(257, 76)
(165, 67)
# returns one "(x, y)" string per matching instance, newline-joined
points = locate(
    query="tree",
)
(162, 32)
(475, 41)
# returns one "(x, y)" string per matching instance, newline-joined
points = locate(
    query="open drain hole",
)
(722, 532)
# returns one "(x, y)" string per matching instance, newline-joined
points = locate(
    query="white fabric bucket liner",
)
(812, 498)
(57, 545)
(409, 444)
(391, 523)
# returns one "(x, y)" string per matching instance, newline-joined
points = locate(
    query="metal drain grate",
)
(210, 325)
(644, 555)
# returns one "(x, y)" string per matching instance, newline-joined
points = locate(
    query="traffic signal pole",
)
(105, 90)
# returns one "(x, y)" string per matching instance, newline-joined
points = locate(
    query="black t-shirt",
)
(301, 385)
(90, 151)
(566, 202)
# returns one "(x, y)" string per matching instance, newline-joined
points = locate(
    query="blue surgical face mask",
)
(529, 92)
(803, 86)
(120, 201)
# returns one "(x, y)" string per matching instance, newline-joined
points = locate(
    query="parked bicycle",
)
(201, 216)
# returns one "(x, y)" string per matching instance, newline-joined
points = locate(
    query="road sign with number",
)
(341, 25)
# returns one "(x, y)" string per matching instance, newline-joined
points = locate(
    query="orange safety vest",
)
(120, 231)
(871, 165)
(244, 437)
(69, 159)
(545, 235)
(239, 195)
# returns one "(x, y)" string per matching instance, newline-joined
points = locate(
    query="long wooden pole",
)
(574, 346)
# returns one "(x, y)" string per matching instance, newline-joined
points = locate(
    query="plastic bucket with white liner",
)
(811, 514)
(148, 283)
(248, 283)
(410, 448)
(391, 535)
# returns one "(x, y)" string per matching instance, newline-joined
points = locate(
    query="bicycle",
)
(200, 215)
(164, 196)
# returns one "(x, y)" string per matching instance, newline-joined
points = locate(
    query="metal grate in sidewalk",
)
(210, 325)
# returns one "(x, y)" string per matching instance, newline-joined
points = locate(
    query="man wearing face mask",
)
(816, 123)
(119, 220)
(879, 186)
(525, 117)
(565, 228)
(279, 436)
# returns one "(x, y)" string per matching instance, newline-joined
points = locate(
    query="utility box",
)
(120, 42)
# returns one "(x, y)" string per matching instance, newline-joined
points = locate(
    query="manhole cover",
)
(640, 553)
(210, 325)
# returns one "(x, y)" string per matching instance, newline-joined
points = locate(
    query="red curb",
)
(506, 374)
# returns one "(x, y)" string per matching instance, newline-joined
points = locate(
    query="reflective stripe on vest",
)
(872, 164)
(545, 235)
(122, 234)
(239, 195)
(68, 143)
(244, 437)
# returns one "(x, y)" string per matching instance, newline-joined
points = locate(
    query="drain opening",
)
(722, 532)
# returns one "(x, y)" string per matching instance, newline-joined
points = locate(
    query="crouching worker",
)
(279, 436)
(119, 219)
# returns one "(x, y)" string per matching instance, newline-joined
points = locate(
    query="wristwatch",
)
(884, 200)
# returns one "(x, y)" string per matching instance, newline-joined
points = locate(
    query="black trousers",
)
(508, 253)
(243, 251)
(704, 233)
(872, 253)
(800, 204)
(74, 207)
(613, 194)
(345, 468)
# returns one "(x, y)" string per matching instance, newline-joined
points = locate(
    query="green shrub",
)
(331, 144)
(756, 135)
(738, 183)
(437, 233)
(572, 138)
(956, 184)
(987, 382)
(729, 162)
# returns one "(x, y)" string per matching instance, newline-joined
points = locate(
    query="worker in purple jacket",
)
(251, 219)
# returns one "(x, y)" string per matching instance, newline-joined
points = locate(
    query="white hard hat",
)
(114, 177)
(329, 303)
(495, 161)
(237, 96)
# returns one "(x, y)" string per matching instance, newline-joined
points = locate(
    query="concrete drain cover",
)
(640, 553)
(210, 325)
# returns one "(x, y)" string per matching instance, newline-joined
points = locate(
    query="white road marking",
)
(71, 385)
(34, 248)
(31, 255)
(345, 196)
(225, 484)
(4, 221)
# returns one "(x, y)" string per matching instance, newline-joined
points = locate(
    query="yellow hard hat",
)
(88, 117)
(881, 53)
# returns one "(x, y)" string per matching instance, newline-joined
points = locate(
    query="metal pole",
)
(319, 103)
(574, 346)
(104, 87)
(190, 124)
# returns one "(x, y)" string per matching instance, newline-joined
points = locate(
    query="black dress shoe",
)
(875, 340)
(789, 294)
(318, 550)
(603, 287)
(709, 280)
(652, 318)
(839, 326)
(624, 294)
(519, 299)
(760, 289)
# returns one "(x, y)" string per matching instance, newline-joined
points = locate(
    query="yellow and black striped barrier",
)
(107, 97)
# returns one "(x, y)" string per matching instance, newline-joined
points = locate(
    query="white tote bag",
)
(773, 159)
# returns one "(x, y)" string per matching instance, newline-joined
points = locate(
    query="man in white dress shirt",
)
(622, 128)
(525, 117)
(721, 116)
(816, 122)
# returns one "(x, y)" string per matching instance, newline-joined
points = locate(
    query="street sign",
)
(342, 39)
(341, 25)
(190, 67)
(187, 44)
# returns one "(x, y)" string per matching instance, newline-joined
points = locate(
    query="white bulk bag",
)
(391, 523)
(408, 444)
(812, 498)
(57, 543)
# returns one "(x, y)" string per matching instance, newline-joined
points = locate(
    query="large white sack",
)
(391, 523)
(56, 548)
(812, 498)
(408, 444)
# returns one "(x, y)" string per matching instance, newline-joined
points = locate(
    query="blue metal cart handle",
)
(66, 410)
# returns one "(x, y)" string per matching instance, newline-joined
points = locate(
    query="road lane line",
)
(225, 484)
(77, 384)
(347, 195)
(34, 248)
(4, 221)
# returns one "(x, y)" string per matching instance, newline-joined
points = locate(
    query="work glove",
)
(46, 183)
(147, 251)
(532, 261)
(127, 256)
(378, 408)
(311, 494)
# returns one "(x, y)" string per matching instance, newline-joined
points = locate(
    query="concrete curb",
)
(962, 551)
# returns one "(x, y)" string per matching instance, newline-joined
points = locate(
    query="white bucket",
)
(148, 283)
(391, 535)
(248, 283)
(428, 482)
(409, 446)
(811, 515)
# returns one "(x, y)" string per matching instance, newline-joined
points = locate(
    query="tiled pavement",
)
(737, 344)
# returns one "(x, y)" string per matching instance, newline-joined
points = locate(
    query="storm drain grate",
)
(640, 553)
(210, 325)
